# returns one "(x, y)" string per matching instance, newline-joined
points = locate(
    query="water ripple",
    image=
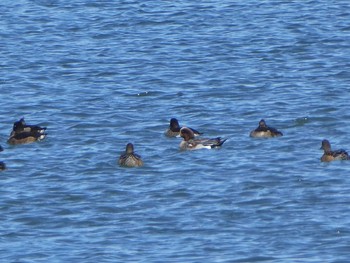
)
(100, 75)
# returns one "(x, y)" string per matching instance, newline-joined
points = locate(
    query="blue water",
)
(100, 74)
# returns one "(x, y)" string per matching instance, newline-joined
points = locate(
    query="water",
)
(102, 74)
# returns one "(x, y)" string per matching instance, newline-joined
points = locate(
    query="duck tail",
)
(220, 142)
(42, 136)
(42, 130)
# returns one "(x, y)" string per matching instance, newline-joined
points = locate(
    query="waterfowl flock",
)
(23, 133)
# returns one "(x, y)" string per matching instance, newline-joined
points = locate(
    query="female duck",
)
(174, 129)
(264, 131)
(130, 158)
(330, 155)
(190, 143)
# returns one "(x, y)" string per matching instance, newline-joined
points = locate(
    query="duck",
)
(2, 166)
(329, 155)
(21, 126)
(130, 158)
(174, 129)
(190, 143)
(25, 137)
(264, 131)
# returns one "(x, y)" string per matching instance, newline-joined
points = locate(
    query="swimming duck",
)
(190, 143)
(130, 158)
(21, 126)
(174, 129)
(330, 155)
(25, 137)
(2, 166)
(264, 131)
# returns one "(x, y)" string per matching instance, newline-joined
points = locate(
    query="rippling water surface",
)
(100, 74)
